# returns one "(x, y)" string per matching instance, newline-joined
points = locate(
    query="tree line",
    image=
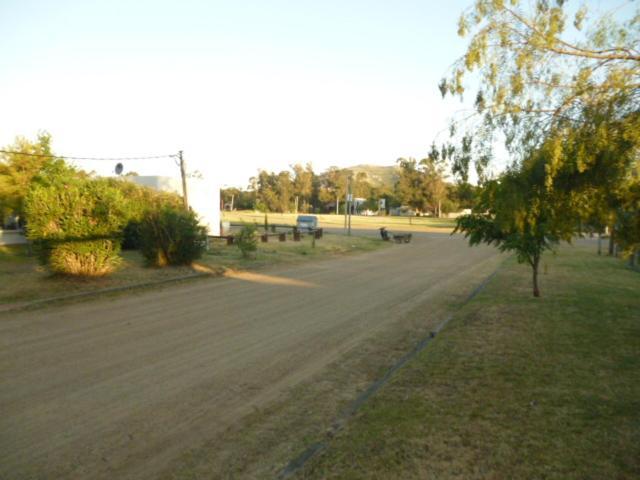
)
(420, 185)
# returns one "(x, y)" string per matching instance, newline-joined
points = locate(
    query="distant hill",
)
(378, 176)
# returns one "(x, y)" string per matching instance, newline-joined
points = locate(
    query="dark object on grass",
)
(397, 237)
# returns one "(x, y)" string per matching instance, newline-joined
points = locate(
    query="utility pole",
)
(349, 203)
(346, 203)
(183, 174)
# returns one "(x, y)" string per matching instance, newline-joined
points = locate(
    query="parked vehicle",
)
(307, 222)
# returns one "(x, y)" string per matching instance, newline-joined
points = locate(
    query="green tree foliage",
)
(333, 186)
(274, 192)
(239, 199)
(75, 223)
(284, 192)
(17, 171)
(247, 240)
(570, 91)
(171, 236)
(535, 69)
(360, 186)
(303, 186)
(433, 168)
(518, 212)
(628, 219)
(463, 194)
(138, 201)
(410, 188)
(421, 185)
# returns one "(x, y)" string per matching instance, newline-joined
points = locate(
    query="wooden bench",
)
(397, 237)
(229, 238)
(264, 237)
(402, 238)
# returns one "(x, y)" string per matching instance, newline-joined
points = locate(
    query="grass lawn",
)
(357, 221)
(274, 252)
(22, 280)
(513, 387)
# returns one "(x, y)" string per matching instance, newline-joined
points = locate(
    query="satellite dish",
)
(119, 169)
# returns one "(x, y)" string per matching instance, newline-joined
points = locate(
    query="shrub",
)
(171, 236)
(131, 236)
(139, 200)
(87, 258)
(247, 240)
(74, 224)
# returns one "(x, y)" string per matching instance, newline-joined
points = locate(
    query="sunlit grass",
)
(514, 387)
(337, 221)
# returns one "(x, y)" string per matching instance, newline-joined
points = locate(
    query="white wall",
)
(204, 198)
(203, 194)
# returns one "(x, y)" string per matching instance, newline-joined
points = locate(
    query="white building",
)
(203, 195)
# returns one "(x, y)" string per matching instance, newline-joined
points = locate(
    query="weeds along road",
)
(119, 387)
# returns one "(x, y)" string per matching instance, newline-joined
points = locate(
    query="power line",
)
(177, 158)
(110, 159)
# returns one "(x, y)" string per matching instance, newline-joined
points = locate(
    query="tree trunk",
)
(534, 265)
(599, 243)
(337, 204)
(611, 242)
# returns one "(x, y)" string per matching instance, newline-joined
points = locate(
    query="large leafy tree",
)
(410, 187)
(17, 171)
(568, 84)
(421, 184)
(273, 191)
(284, 191)
(537, 66)
(436, 189)
(333, 185)
(303, 183)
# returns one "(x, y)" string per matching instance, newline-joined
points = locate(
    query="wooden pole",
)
(183, 174)
(350, 204)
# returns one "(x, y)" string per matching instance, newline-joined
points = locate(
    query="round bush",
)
(171, 236)
(91, 258)
(75, 223)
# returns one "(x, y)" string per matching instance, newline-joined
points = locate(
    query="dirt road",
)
(117, 388)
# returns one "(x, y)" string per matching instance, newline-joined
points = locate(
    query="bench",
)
(228, 238)
(397, 237)
(402, 238)
(264, 237)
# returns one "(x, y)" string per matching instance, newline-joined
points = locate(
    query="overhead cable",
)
(111, 159)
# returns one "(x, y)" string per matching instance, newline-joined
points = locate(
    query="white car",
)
(307, 222)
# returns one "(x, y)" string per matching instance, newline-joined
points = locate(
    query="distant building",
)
(403, 211)
(203, 195)
(465, 211)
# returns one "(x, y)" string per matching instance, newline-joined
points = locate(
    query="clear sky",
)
(238, 85)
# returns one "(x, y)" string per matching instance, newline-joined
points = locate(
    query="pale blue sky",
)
(237, 85)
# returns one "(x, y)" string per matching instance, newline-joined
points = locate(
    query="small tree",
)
(247, 240)
(171, 236)
(517, 212)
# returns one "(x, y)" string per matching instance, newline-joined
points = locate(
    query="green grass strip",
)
(513, 387)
